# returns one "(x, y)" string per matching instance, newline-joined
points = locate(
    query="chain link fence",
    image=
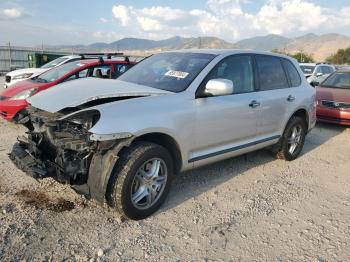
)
(15, 57)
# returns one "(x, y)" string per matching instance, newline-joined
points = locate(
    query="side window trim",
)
(285, 73)
(202, 84)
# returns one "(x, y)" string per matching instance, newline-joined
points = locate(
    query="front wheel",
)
(141, 180)
(293, 139)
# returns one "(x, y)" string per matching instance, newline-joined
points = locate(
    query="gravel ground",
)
(250, 208)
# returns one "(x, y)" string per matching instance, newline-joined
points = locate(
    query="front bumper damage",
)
(62, 149)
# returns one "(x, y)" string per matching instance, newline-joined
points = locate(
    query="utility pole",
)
(10, 56)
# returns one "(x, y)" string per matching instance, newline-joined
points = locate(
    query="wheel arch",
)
(301, 112)
(167, 142)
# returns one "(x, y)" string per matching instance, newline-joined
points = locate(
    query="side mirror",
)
(314, 83)
(218, 87)
(319, 74)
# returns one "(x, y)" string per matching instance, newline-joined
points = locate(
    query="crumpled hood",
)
(34, 71)
(78, 92)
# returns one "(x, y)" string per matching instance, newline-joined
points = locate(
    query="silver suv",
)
(316, 73)
(122, 141)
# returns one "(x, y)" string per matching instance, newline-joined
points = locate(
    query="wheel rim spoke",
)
(295, 139)
(149, 183)
(140, 194)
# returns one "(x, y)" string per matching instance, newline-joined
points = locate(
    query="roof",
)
(228, 52)
(307, 64)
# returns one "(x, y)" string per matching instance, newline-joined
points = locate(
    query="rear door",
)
(277, 93)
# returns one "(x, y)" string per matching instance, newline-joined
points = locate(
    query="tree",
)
(303, 58)
(300, 56)
(341, 57)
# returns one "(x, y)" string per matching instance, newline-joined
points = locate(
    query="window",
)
(238, 69)
(318, 70)
(103, 71)
(58, 72)
(271, 73)
(120, 69)
(292, 73)
(327, 70)
(307, 70)
(173, 71)
(338, 80)
(80, 74)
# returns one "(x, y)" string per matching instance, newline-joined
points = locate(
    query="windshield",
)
(55, 62)
(58, 72)
(173, 72)
(307, 69)
(338, 80)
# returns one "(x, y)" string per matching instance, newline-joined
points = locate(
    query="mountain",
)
(319, 46)
(167, 44)
(266, 43)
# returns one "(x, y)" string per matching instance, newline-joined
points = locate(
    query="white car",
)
(316, 72)
(26, 73)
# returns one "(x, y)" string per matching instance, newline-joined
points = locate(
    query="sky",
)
(51, 22)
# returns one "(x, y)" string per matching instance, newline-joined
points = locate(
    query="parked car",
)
(13, 101)
(122, 141)
(316, 72)
(26, 73)
(333, 99)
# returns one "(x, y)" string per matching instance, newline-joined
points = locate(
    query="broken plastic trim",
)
(97, 137)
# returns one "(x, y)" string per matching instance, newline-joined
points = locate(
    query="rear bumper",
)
(334, 116)
(9, 108)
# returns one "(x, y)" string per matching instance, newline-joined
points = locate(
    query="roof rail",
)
(97, 55)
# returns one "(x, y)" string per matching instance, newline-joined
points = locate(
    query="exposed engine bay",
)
(60, 147)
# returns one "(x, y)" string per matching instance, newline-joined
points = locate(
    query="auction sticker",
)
(177, 74)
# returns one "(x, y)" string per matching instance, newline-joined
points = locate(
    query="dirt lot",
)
(245, 209)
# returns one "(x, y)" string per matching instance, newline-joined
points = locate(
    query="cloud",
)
(227, 19)
(12, 13)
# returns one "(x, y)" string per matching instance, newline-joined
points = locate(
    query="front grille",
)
(7, 79)
(333, 104)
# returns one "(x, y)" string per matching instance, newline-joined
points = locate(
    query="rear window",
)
(307, 70)
(292, 73)
(271, 73)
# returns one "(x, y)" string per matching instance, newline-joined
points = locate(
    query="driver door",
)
(225, 124)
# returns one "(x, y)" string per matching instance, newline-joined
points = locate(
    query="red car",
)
(13, 100)
(333, 99)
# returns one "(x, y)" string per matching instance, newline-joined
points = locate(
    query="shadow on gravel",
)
(320, 135)
(40, 200)
(193, 183)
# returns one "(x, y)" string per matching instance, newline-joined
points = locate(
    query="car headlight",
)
(22, 76)
(25, 94)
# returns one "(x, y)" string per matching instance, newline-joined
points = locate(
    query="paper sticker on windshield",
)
(177, 74)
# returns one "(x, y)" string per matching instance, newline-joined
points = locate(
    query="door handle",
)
(254, 104)
(290, 98)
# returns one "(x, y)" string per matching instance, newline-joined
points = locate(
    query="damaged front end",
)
(62, 147)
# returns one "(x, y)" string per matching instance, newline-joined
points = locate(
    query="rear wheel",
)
(141, 180)
(292, 141)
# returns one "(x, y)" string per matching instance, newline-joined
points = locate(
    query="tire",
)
(132, 178)
(283, 150)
